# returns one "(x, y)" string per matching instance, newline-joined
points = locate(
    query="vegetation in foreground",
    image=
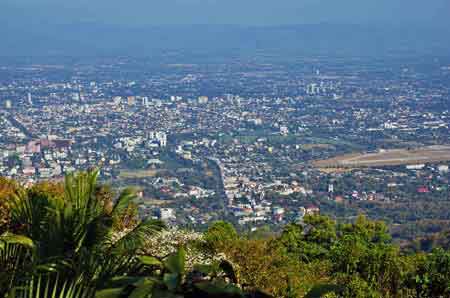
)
(76, 239)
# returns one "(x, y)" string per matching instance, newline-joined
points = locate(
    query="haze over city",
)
(251, 12)
(86, 28)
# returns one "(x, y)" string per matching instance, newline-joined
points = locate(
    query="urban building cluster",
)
(234, 141)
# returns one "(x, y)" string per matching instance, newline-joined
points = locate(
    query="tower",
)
(30, 101)
(330, 188)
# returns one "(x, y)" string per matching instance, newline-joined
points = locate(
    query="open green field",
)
(307, 142)
(392, 157)
(133, 174)
(316, 146)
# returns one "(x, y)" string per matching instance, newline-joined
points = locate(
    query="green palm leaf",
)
(10, 238)
(47, 286)
(15, 260)
(124, 200)
(134, 239)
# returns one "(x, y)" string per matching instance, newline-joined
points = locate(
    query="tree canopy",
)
(78, 239)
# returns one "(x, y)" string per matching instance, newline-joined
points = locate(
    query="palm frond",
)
(15, 258)
(10, 238)
(101, 271)
(84, 222)
(29, 213)
(79, 190)
(97, 231)
(124, 200)
(49, 286)
(134, 239)
(72, 251)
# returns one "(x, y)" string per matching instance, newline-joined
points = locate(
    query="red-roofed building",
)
(423, 189)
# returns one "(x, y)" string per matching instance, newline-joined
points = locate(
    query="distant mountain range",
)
(326, 39)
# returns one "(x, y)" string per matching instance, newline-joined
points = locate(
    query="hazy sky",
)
(244, 12)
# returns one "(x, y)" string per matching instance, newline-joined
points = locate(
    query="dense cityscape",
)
(224, 149)
(254, 141)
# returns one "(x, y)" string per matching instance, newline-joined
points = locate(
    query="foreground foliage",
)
(76, 239)
(321, 258)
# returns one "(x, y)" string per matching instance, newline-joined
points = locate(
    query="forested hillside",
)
(78, 239)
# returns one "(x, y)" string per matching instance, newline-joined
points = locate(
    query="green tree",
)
(74, 236)
(363, 258)
(7, 188)
(367, 230)
(431, 275)
(310, 241)
(220, 234)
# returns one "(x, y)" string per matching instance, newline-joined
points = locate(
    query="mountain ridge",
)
(321, 39)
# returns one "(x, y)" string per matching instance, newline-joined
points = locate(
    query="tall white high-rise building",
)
(158, 136)
(30, 100)
(312, 89)
(162, 138)
(330, 188)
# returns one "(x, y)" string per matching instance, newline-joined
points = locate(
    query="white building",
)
(167, 214)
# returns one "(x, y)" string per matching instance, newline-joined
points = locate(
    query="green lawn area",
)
(131, 174)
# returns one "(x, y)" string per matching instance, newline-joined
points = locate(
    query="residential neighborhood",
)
(241, 142)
